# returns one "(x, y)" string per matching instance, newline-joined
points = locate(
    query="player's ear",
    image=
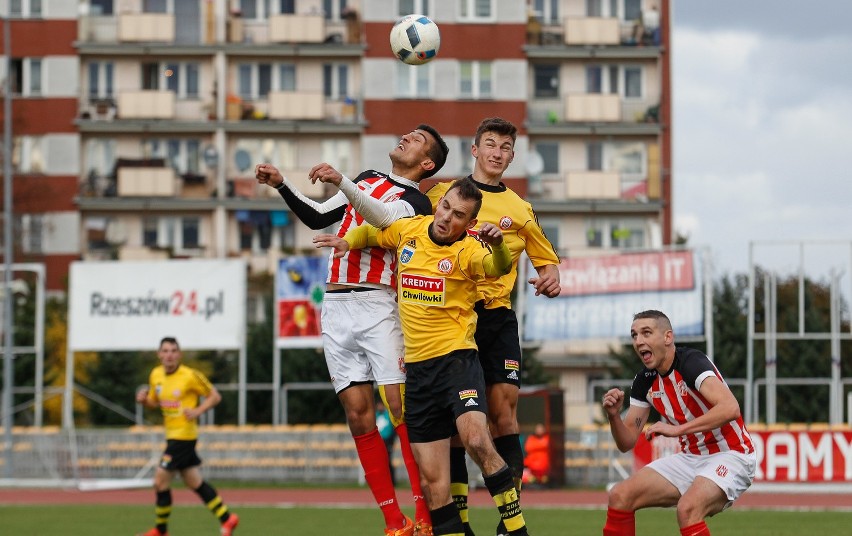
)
(474, 150)
(472, 223)
(427, 164)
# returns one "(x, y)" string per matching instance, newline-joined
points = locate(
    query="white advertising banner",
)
(131, 305)
(600, 295)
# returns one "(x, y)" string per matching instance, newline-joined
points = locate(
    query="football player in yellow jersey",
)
(497, 325)
(439, 266)
(175, 389)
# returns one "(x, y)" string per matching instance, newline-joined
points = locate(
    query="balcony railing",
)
(147, 182)
(146, 28)
(296, 29)
(540, 111)
(296, 105)
(594, 107)
(146, 104)
(591, 31)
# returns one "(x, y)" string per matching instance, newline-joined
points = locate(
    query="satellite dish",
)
(535, 164)
(535, 167)
(210, 156)
(243, 159)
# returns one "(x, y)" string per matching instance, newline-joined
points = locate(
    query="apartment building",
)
(138, 123)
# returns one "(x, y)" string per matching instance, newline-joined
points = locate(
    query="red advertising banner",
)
(782, 456)
(634, 272)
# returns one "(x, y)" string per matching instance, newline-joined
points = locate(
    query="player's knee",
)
(620, 497)
(689, 512)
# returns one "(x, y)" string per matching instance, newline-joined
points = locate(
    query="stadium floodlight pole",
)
(8, 221)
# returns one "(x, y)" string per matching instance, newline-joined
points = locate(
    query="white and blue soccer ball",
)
(415, 39)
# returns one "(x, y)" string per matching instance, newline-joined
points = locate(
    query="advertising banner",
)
(300, 287)
(601, 294)
(131, 305)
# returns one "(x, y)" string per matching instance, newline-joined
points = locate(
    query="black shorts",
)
(438, 391)
(179, 454)
(499, 347)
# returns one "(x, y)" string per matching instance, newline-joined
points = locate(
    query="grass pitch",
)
(117, 520)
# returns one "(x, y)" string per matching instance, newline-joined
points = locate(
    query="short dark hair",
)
(467, 191)
(170, 340)
(437, 151)
(498, 125)
(653, 314)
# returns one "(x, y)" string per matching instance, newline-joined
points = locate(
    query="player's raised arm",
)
(314, 215)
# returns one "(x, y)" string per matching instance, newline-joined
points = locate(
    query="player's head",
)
(169, 354)
(653, 338)
(419, 154)
(456, 211)
(493, 147)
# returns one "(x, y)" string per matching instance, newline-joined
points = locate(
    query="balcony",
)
(592, 185)
(584, 114)
(585, 37)
(296, 105)
(146, 28)
(296, 29)
(593, 107)
(147, 182)
(146, 104)
(591, 31)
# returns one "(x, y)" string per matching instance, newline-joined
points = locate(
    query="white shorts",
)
(732, 471)
(362, 338)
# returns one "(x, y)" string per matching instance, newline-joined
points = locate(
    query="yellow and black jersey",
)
(175, 393)
(436, 287)
(521, 231)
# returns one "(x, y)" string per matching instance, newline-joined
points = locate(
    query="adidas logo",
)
(512, 375)
(470, 402)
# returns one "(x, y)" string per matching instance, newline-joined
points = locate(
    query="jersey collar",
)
(402, 180)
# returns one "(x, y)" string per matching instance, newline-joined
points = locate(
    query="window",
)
(282, 154)
(620, 233)
(101, 80)
(184, 155)
(255, 9)
(338, 153)
(407, 7)
(149, 232)
(333, 8)
(594, 156)
(25, 8)
(551, 230)
(100, 7)
(627, 10)
(31, 233)
(549, 152)
(189, 232)
(256, 80)
(547, 11)
(467, 159)
(335, 81)
(546, 80)
(632, 10)
(287, 7)
(180, 78)
(28, 154)
(155, 6)
(26, 76)
(476, 80)
(413, 81)
(100, 156)
(611, 79)
(476, 10)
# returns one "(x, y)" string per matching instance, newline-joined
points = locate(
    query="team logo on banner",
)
(407, 252)
(422, 289)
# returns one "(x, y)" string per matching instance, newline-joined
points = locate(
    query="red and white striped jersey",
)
(676, 397)
(373, 264)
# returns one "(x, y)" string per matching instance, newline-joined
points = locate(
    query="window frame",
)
(467, 11)
(415, 75)
(477, 80)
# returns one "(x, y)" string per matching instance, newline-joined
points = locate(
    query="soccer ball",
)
(415, 39)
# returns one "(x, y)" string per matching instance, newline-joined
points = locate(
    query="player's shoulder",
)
(371, 174)
(438, 189)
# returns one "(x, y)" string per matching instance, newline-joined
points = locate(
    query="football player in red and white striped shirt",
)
(716, 463)
(362, 337)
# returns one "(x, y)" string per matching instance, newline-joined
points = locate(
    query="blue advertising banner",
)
(601, 294)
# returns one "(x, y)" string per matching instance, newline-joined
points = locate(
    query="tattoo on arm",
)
(638, 423)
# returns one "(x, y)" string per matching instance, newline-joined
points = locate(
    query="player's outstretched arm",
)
(314, 215)
(332, 241)
(374, 211)
(500, 261)
(547, 282)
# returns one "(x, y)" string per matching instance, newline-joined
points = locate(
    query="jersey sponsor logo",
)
(165, 461)
(407, 252)
(169, 404)
(468, 393)
(505, 222)
(393, 197)
(400, 361)
(657, 394)
(681, 388)
(722, 471)
(471, 402)
(511, 364)
(512, 375)
(422, 289)
(445, 266)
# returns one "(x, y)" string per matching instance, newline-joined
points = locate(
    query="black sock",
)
(163, 510)
(213, 501)
(502, 489)
(459, 486)
(446, 520)
(509, 448)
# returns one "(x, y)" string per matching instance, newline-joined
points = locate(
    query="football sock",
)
(459, 485)
(446, 521)
(505, 496)
(213, 501)
(619, 523)
(698, 529)
(374, 459)
(509, 448)
(421, 509)
(163, 510)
